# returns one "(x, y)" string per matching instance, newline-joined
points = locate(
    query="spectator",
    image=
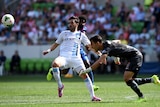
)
(16, 29)
(134, 36)
(118, 31)
(158, 35)
(2, 62)
(147, 18)
(156, 11)
(158, 50)
(143, 52)
(122, 12)
(39, 26)
(15, 62)
(108, 5)
(145, 35)
(140, 16)
(3, 38)
(122, 39)
(152, 22)
(136, 8)
(101, 17)
(90, 27)
(152, 32)
(132, 16)
(108, 27)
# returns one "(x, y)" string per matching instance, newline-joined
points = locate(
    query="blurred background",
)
(38, 23)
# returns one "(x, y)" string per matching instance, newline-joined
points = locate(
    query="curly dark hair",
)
(82, 21)
(96, 38)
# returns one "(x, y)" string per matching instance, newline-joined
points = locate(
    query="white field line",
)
(151, 95)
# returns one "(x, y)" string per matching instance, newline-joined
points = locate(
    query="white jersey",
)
(70, 43)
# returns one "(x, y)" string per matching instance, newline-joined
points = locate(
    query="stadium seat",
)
(23, 65)
(111, 37)
(31, 66)
(46, 65)
(138, 26)
(42, 5)
(38, 66)
(7, 66)
(114, 10)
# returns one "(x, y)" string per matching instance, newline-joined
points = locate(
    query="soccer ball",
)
(8, 20)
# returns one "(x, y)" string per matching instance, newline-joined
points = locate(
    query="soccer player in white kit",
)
(69, 55)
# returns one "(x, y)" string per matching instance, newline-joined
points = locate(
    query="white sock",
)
(89, 86)
(56, 74)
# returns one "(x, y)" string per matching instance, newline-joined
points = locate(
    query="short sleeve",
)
(60, 38)
(85, 40)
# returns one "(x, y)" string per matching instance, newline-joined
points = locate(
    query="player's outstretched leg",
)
(154, 79)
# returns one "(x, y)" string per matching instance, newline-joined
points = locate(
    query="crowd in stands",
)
(38, 22)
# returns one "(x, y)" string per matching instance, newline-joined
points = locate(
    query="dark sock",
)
(134, 87)
(91, 76)
(141, 81)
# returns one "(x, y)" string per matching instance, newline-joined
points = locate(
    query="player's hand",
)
(99, 53)
(45, 52)
(117, 60)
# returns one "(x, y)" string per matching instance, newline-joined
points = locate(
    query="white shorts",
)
(75, 62)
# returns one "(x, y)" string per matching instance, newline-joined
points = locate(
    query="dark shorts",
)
(134, 63)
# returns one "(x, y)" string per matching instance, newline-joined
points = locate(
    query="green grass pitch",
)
(35, 91)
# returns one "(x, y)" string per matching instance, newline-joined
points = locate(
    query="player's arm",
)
(53, 46)
(88, 47)
(117, 59)
(101, 60)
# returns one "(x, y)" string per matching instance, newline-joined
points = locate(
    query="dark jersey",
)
(119, 50)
